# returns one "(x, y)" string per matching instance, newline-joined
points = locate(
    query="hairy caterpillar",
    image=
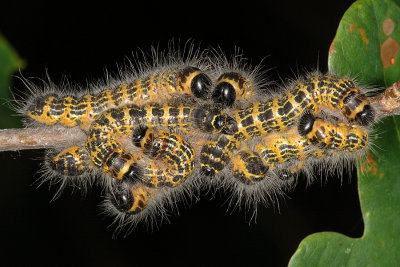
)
(102, 138)
(161, 77)
(158, 149)
(276, 149)
(70, 112)
(277, 114)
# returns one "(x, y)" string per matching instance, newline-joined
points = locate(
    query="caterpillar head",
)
(211, 119)
(129, 199)
(231, 86)
(194, 81)
(356, 107)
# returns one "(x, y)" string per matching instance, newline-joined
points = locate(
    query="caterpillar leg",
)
(215, 155)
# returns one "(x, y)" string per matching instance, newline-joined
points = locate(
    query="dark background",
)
(80, 41)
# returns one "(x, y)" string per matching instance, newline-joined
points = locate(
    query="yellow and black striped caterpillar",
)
(185, 127)
(71, 111)
(322, 139)
(277, 114)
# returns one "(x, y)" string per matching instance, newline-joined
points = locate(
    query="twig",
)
(37, 138)
(387, 103)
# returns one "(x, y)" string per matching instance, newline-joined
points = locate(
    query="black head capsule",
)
(121, 197)
(230, 127)
(219, 122)
(201, 85)
(133, 174)
(366, 116)
(356, 101)
(224, 93)
(138, 134)
(194, 80)
(210, 119)
(306, 124)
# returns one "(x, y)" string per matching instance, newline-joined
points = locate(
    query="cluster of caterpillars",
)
(202, 122)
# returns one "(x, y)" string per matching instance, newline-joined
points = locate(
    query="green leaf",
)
(9, 63)
(379, 190)
(366, 45)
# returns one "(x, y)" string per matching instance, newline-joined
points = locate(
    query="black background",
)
(80, 41)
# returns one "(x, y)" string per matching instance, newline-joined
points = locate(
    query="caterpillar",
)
(264, 170)
(277, 114)
(70, 111)
(322, 139)
(157, 77)
(102, 139)
(203, 123)
(169, 64)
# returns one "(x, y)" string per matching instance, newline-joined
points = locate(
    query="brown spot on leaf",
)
(388, 26)
(363, 36)
(370, 166)
(389, 50)
(361, 31)
(370, 160)
(331, 49)
(352, 27)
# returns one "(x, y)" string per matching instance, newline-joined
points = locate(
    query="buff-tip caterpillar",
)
(210, 126)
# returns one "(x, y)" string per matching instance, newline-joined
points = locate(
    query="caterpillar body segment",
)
(216, 154)
(123, 165)
(71, 111)
(248, 167)
(279, 148)
(272, 153)
(72, 161)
